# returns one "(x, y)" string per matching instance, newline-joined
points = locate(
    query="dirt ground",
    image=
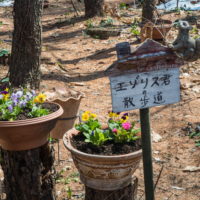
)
(73, 60)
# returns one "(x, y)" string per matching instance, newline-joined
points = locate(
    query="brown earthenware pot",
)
(156, 31)
(67, 119)
(27, 134)
(103, 172)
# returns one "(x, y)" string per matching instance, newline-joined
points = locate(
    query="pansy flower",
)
(85, 116)
(40, 98)
(10, 108)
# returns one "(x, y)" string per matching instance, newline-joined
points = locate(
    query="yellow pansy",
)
(127, 118)
(41, 98)
(36, 100)
(6, 96)
(124, 119)
(93, 115)
(113, 115)
(85, 116)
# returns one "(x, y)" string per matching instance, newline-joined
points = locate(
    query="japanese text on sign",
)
(143, 90)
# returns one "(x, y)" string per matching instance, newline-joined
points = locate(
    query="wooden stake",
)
(147, 154)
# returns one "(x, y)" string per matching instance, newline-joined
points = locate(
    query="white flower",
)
(29, 96)
(19, 94)
(1, 96)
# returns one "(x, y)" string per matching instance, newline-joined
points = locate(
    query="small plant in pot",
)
(106, 157)
(25, 118)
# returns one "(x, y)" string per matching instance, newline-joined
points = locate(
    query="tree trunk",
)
(148, 10)
(26, 43)
(127, 193)
(93, 8)
(28, 174)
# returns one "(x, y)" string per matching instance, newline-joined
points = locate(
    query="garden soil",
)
(74, 61)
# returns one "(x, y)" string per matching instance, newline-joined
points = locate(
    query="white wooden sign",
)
(144, 90)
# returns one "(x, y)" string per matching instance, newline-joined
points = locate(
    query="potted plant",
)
(25, 119)
(106, 157)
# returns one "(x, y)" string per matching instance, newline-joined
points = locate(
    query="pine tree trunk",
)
(148, 10)
(127, 193)
(26, 43)
(28, 174)
(93, 8)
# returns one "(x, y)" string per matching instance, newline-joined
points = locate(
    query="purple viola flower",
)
(15, 102)
(33, 92)
(14, 96)
(10, 108)
(28, 96)
(4, 92)
(19, 94)
(22, 103)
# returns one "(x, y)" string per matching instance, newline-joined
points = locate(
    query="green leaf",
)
(4, 52)
(5, 80)
(87, 140)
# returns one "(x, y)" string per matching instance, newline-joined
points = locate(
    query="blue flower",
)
(22, 103)
(14, 96)
(15, 102)
(10, 108)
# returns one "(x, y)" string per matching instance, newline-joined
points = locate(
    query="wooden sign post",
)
(147, 77)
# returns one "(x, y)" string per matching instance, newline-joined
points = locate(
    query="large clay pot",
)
(27, 134)
(103, 172)
(67, 119)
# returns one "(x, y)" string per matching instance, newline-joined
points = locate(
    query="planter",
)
(27, 134)
(67, 119)
(155, 31)
(103, 32)
(103, 172)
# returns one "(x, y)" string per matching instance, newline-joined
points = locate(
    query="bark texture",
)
(28, 174)
(26, 43)
(93, 8)
(148, 10)
(127, 193)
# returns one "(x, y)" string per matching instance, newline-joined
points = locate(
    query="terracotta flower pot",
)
(103, 172)
(67, 119)
(27, 134)
(155, 31)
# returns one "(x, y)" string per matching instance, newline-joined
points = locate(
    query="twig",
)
(62, 68)
(74, 8)
(156, 181)
(170, 196)
(158, 177)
